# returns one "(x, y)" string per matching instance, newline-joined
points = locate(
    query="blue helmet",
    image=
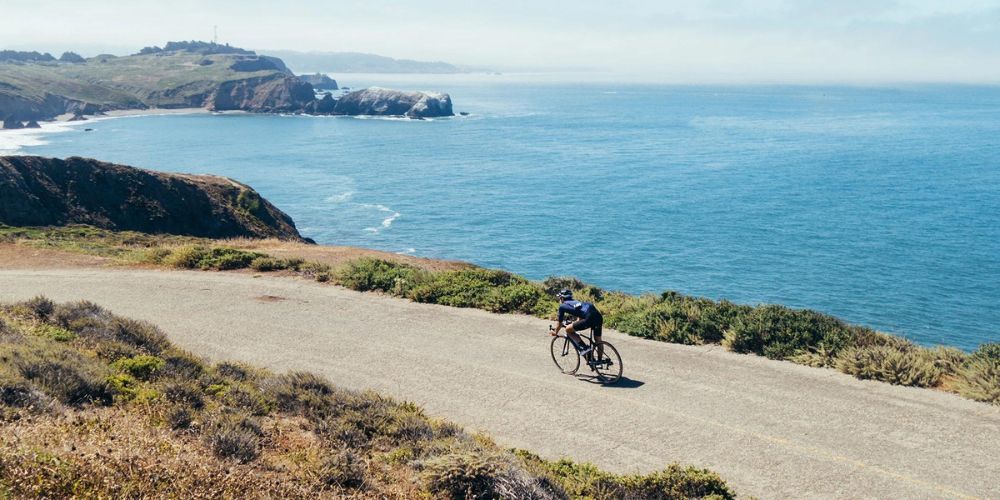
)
(565, 294)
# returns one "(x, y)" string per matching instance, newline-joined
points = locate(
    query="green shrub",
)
(525, 298)
(369, 274)
(779, 332)
(889, 364)
(988, 351)
(141, 367)
(980, 380)
(186, 257)
(581, 290)
(268, 264)
(218, 258)
(675, 482)
(465, 288)
(55, 333)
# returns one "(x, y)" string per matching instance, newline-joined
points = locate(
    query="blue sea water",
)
(878, 205)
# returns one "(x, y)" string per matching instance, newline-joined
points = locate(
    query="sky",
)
(708, 41)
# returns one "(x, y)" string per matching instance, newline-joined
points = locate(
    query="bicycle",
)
(602, 360)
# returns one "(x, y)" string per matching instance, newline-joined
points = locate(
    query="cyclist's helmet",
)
(565, 294)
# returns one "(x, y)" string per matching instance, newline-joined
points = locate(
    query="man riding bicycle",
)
(588, 317)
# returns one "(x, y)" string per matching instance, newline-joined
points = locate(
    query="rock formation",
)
(319, 81)
(385, 102)
(36, 191)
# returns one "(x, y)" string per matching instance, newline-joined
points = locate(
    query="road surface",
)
(771, 429)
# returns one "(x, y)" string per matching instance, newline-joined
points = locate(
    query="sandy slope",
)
(772, 429)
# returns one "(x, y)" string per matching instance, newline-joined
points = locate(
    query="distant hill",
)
(356, 62)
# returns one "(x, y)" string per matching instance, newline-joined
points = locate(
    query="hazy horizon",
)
(721, 41)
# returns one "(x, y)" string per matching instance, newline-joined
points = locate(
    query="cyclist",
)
(589, 317)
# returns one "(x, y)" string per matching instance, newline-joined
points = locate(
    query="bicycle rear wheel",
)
(608, 365)
(564, 355)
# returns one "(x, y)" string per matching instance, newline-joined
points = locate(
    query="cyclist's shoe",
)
(586, 353)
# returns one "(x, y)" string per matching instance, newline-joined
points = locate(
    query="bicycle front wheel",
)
(564, 355)
(608, 364)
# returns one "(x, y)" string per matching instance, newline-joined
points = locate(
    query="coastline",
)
(13, 141)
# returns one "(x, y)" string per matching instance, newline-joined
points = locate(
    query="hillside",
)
(95, 405)
(182, 75)
(37, 191)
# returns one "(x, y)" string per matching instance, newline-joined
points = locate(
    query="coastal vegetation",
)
(94, 405)
(800, 336)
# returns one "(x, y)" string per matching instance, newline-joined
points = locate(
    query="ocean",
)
(880, 205)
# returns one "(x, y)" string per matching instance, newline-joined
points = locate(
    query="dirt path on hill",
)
(772, 429)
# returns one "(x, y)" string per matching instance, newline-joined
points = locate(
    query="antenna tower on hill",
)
(215, 34)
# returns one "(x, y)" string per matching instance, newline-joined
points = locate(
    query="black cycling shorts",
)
(595, 321)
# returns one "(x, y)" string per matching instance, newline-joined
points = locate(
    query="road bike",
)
(603, 360)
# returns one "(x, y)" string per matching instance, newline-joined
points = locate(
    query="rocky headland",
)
(36, 191)
(37, 87)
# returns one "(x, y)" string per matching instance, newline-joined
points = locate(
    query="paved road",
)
(772, 429)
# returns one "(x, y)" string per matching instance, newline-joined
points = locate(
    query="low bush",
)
(368, 274)
(185, 393)
(675, 481)
(489, 289)
(217, 258)
(179, 417)
(142, 367)
(181, 365)
(40, 307)
(235, 436)
(61, 372)
(980, 380)
(890, 364)
(779, 332)
(267, 264)
(480, 475)
(140, 334)
(344, 469)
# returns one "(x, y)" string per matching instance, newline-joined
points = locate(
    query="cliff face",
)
(36, 191)
(385, 102)
(274, 93)
(319, 81)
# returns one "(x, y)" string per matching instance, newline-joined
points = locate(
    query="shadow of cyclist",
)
(622, 383)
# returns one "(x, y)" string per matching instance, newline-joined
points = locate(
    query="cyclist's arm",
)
(562, 316)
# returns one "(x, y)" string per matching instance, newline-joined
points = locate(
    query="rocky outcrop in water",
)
(36, 191)
(386, 102)
(319, 81)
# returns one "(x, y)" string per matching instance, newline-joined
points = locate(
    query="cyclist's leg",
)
(575, 327)
(598, 331)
